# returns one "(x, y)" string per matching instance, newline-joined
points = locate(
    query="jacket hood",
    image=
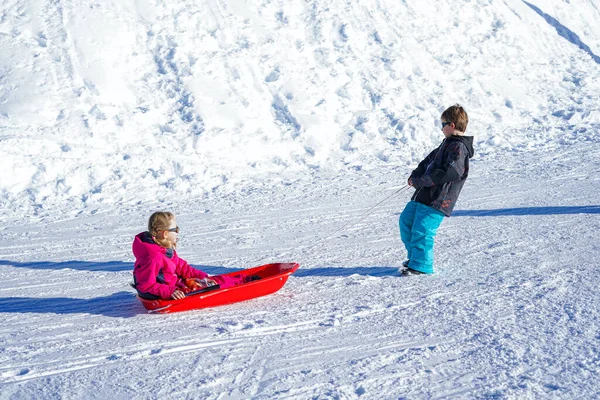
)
(467, 141)
(143, 246)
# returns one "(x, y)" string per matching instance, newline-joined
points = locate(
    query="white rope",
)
(361, 218)
(349, 224)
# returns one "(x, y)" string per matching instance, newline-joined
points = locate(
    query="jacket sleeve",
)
(420, 170)
(451, 169)
(185, 270)
(419, 176)
(145, 276)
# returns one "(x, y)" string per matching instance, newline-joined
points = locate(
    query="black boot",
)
(409, 271)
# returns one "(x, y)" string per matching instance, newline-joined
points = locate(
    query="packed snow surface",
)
(266, 127)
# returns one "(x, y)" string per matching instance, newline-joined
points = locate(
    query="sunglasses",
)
(445, 123)
(176, 229)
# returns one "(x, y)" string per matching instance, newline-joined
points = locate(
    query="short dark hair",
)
(458, 116)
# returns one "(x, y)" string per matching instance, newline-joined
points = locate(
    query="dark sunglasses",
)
(176, 229)
(445, 123)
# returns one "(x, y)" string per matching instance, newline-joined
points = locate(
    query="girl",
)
(159, 273)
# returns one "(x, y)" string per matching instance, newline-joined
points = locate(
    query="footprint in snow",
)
(332, 321)
(13, 373)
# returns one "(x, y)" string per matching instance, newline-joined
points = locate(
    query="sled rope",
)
(348, 225)
(360, 218)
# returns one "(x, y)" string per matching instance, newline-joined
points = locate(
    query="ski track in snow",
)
(510, 313)
(266, 128)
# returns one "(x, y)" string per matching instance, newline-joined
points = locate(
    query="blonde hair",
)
(161, 221)
(458, 115)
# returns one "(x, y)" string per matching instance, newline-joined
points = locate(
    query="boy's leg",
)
(406, 224)
(426, 222)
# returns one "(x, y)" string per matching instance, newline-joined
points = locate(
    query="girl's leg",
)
(426, 223)
(406, 224)
(226, 281)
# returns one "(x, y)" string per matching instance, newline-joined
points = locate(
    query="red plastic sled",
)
(273, 277)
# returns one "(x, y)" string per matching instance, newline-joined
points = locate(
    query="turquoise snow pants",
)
(418, 226)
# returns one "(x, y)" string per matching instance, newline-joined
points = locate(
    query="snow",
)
(267, 127)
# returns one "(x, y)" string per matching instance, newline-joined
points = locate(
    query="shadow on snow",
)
(348, 271)
(501, 212)
(118, 266)
(565, 32)
(125, 304)
(107, 266)
(117, 305)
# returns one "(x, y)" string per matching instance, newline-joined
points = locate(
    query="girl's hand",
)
(178, 295)
(206, 282)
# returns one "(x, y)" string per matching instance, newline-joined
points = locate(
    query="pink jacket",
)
(157, 270)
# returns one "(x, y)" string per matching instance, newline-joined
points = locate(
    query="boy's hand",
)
(410, 182)
(177, 295)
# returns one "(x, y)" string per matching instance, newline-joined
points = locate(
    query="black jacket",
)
(440, 177)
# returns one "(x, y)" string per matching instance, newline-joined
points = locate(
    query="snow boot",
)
(409, 271)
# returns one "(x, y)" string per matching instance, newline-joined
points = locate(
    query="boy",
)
(438, 180)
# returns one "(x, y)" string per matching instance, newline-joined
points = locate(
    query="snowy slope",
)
(266, 127)
(116, 102)
(511, 313)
